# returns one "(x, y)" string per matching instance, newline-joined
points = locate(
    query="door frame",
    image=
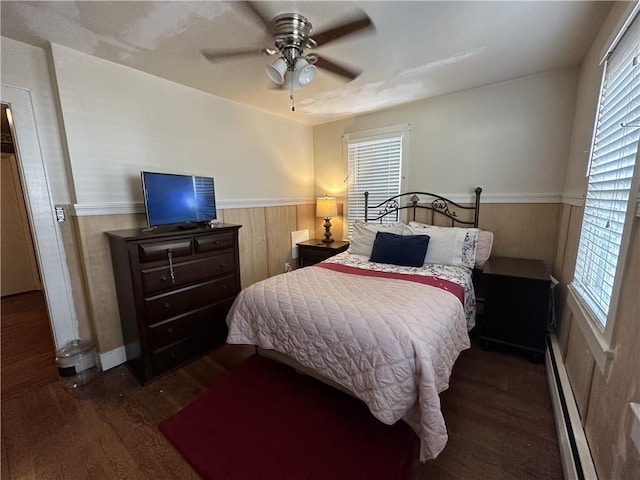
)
(47, 238)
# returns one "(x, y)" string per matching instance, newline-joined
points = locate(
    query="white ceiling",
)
(419, 49)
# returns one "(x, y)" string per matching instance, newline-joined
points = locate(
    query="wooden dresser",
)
(174, 291)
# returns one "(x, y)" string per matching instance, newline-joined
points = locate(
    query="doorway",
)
(27, 347)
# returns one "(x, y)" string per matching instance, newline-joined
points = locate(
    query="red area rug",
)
(265, 421)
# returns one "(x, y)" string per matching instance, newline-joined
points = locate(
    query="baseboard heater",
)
(574, 449)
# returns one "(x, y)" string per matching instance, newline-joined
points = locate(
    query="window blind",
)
(613, 158)
(205, 197)
(374, 166)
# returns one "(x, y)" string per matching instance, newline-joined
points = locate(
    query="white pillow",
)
(448, 245)
(483, 249)
(364, 234)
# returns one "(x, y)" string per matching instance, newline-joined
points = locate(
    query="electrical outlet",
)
(299, 236)
(287, 267)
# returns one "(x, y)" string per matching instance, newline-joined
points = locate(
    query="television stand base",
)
(187, 226)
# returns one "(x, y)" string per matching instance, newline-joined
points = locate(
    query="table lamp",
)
(326, 208)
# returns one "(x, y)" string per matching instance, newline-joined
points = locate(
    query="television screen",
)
(178, 199)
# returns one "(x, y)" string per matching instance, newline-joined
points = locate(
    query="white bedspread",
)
(459, 275)
(391, 342)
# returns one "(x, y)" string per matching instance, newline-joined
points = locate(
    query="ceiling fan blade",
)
(360, 23)
(337, 69)
(251, 8)
(217, 55)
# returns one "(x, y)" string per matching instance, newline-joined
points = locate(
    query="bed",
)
(384, 321)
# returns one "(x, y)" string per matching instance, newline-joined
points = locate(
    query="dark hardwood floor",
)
(499, 419)
(497, 411)
(28, 352)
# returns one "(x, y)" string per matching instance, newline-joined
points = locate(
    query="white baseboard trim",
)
(574, 449)
(113, 358)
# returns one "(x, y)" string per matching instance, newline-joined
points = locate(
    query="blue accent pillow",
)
(405, 250)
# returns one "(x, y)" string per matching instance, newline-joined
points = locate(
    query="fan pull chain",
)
(293, 106)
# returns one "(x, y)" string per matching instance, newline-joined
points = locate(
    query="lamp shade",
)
(326, 207)
(304, 72)
(276, 70)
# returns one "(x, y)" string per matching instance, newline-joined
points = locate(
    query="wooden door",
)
(19, 271)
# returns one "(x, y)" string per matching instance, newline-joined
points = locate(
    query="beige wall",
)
(119, 121)
(511, 138)
(27, 67)
(602, 399)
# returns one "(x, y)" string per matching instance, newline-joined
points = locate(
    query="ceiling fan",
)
(291, 34)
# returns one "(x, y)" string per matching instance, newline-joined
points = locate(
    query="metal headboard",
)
(415, 201)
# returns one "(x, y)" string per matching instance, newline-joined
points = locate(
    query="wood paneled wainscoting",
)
(265, 247)
(602, 399)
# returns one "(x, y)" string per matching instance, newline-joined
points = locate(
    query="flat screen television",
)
(180, 200)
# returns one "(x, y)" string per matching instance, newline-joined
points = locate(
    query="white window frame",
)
(402, 130)
(599, 338)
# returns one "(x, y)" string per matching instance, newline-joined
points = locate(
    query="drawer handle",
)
(167, 305)
(222, 265)
(217, 242)
(169, 330)
(172, 354)
(170, 256)
(163, 278)
(224, 287)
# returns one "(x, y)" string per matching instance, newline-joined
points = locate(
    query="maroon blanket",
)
(452, 287)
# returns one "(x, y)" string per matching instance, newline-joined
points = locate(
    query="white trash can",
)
(76, 363)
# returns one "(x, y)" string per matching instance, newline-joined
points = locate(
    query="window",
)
(375, 165)
(611, 192)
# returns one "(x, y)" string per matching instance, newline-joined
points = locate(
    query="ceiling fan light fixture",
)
(304, 71)
(276, 70)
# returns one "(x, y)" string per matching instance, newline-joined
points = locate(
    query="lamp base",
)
(327, 231)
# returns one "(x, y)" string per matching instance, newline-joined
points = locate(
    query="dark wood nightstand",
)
(516, 304)
(314, 251)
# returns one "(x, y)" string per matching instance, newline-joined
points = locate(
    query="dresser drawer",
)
(180, 352)
(168, 305)
(183, 326)
(159, 278)
(151, 252)
(210, 243)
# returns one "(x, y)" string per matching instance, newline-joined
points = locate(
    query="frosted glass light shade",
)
(276, 71)
(305, 72)
(326, 207)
